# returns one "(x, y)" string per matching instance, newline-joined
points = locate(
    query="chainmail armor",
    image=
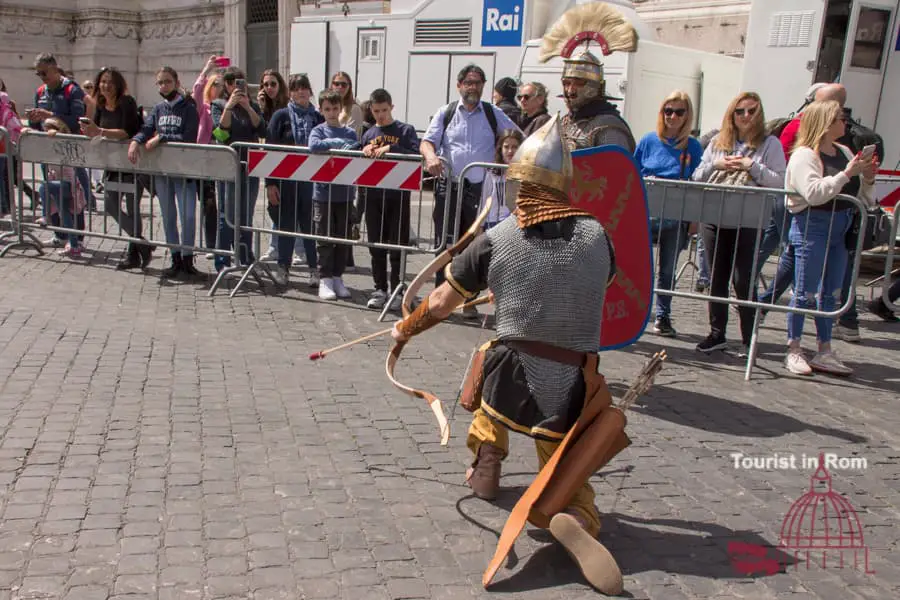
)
(549, 290)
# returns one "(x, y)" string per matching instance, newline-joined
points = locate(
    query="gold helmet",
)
(540, 177)
(544, 159)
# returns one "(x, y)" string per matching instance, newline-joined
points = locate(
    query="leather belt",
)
(548, 352)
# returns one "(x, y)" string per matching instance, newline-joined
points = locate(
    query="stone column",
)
(287, 11)
(235, 32)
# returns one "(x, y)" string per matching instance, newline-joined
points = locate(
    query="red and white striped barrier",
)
(322, 168)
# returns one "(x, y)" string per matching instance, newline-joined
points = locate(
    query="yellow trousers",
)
(484, 430)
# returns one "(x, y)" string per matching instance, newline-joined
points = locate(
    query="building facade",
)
(138, 36)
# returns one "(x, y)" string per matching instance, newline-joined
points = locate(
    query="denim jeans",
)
(702, 261)
(226, 197)
(61, 193)
(821, 259)
(168, 190)
(776, 232)
(850, 318)
(302, 192)
(672, 239)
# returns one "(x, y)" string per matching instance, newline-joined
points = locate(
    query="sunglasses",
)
(524, 97)
(678, 112)
(340, 84)
(271, 84)
(750, 111)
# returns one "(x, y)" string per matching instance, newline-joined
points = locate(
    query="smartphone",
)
(223, 61)
(868, 151)
(241, 84)
(84, 120)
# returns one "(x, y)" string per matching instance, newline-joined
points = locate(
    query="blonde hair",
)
(209, 91)
(815, 122)
(685, 131)
(728, 134)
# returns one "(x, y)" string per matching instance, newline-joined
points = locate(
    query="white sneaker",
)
(298, 261)
(796, 363)
(313, 279)
(270, 256)
(828, 362)
(326, 289)
(280, 275)
(340, 289)
(377, 300)
(210, 256)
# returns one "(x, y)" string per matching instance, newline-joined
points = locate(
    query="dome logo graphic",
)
(821, 527)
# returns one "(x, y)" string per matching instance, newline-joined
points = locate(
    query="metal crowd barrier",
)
(889, 271)
(7, 214)
(732, 207)
(392, 184)
(174, 165)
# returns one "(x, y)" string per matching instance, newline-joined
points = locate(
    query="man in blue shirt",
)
(469, 137)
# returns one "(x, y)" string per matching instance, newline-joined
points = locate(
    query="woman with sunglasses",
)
(818, 171)
(669, 153)
(351, 116)
(740, 154)
(273, 93)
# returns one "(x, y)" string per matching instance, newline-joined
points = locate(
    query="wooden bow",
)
(439, 262)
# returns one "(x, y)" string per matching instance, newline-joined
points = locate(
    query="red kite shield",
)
(607, 184)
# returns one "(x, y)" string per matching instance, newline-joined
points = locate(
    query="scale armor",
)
(599, 130)
(549, 290)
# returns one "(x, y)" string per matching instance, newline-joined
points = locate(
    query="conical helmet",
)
(584, 66)
(544, 159)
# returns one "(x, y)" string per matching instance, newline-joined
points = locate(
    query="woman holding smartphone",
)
(818, 172)
(236, 118)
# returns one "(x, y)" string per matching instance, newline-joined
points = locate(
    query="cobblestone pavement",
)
(157, 443)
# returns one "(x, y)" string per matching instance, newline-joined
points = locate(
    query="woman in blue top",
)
(669, 153)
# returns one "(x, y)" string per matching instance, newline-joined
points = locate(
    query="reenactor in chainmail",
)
(592, 119)
(548, 266)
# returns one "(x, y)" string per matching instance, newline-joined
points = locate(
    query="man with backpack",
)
(462, 132)
(60, 97)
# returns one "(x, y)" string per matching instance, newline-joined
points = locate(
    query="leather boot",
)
(187, 266)
(172, 271)
(132, 259)
(596, 563)
(484, 474)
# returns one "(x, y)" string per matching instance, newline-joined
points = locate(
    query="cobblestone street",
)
(156, 443)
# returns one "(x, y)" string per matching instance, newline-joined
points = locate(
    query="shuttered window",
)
(443, 32)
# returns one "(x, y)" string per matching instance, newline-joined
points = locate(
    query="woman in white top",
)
(740, 154)
(818, 171)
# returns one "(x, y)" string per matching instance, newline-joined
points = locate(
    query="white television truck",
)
(416, 51)
(791, 45)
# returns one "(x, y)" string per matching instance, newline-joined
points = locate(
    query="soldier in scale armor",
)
(592, 120)
(548, 265)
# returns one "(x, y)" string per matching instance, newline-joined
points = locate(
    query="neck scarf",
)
(301, 122)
